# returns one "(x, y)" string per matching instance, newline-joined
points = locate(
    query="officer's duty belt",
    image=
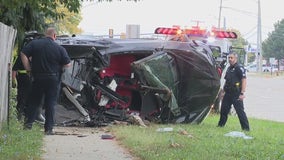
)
(22, 71)
(45, 74)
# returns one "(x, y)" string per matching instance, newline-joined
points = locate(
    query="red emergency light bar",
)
(225, 34)
(196, 32)
(169, 31)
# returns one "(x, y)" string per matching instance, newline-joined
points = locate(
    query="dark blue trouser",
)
(47, 87)
(23, 91)
(227, 102)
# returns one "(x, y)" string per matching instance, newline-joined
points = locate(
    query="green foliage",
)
(16, 143)
(238, 46)
(251, 57)
(28, 15)
(13, 103)
(273, 46)
(240, 42)
(204, 141)
(68, 24)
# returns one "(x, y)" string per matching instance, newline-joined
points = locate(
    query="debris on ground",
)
(135, 119)
(107, 136)
(238, 134)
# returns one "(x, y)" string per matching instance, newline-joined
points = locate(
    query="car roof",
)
(82, 46)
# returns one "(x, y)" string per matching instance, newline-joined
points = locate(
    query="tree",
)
(30, 14)
(240, 42)
(27, 15)
(67, 25)
(239, 45)
(273, 46)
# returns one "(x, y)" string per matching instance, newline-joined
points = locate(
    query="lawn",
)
(19, 144)
(204, 141)
(186, 142)
(16, 143)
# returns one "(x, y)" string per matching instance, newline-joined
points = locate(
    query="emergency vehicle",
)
(217, 40)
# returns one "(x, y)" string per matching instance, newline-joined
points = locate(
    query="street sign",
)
(272, 60)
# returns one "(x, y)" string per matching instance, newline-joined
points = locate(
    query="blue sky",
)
(98, 18)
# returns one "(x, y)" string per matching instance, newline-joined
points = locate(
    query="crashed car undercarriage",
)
(112, 79)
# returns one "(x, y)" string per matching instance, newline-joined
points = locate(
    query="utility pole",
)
(259, 40)
(219, 19)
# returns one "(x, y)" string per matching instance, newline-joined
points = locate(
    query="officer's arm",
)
(25, 62)
(14, 80)
(67, 65)
(244, 84)
(66, 59)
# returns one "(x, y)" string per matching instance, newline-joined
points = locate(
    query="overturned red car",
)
(161, 81)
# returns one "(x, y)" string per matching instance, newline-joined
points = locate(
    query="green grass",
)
(19, 144)
(205, 141)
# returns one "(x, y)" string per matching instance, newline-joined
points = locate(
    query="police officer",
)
(48, 60)
(22, 81)
(234, 90)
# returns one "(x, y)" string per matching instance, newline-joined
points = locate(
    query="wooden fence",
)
(7, 40)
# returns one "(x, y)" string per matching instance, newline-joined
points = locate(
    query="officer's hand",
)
(29, 73)
(14, 83)
(222, 93)
(241, 97)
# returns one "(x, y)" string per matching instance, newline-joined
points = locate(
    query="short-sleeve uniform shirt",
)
(47, 56)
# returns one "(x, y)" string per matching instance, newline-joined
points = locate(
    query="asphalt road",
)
(265, 97)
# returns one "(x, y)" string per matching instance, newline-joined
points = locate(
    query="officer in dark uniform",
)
(233, 92)
(48, 60)
(22, 81)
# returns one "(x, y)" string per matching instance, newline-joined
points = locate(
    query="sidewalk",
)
(75, 143)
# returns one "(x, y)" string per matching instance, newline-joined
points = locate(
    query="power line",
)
(254, 33)
(248, 32)
(241, 11)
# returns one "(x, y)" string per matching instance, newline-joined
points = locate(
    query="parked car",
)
(265, 68)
